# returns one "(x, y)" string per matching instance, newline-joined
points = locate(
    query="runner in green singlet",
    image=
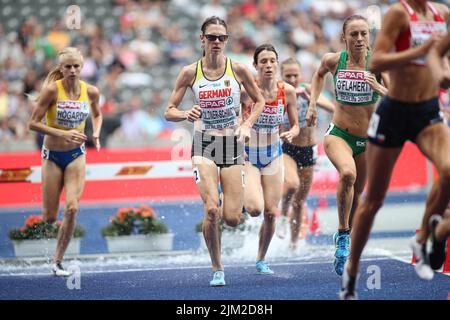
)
(357, 92)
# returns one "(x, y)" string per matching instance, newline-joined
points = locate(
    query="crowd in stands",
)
(133, 51)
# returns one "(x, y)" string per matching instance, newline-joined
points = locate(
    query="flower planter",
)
(43, 247)
(140, 242)
(230, 240)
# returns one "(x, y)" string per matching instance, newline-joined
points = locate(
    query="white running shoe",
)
(422, 266)
(282, 226)
(348, 286)
(59, 271)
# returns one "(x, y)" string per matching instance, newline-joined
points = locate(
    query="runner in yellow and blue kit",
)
(66, 102)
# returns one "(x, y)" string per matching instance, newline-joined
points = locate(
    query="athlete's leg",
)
(205, 174)
(299, 202)
(361, 177)
(341, 155)
(291, 183)
(290, 187)
(232, 180)
(380, 163)
(52, 184)
(253, 196)
(434, 142)
(74, 177)
(271, 180)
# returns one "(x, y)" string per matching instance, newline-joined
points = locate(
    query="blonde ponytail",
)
(55, 73)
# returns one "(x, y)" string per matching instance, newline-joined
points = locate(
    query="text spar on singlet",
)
(269, 119)
(71, 114)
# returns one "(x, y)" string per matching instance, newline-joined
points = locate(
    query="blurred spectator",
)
(4, 103)
(175, 49)
(139, 46)
(138, 124)
(58, 37)
(11, 48)
(146, 51)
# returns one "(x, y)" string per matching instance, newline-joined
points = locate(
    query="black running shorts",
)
(394, 122)
(224, 151)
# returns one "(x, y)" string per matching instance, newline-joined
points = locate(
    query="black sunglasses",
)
(213, 37)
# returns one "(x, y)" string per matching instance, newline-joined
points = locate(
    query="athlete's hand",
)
(194, 113)
(311, 115)
(372, 81)
(445, 82)
(74, 136)
(434, 38)
(243, 133)
(301, 92)
(96, 141)
(287, 136)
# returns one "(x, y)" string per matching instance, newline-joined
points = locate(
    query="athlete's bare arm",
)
(183, 81)
(395, 22)
(244, 76)
(97, 118)
(328, 64)
(47, 97)
(375, 85)
(291, 105)
(386, 79)
(323, 102)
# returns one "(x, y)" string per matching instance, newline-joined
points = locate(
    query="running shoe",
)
(218, 279)
(438, 249)
(263, 268)
(59, 271)
(342, 244)
(282, 226)
(348, 286)
(422, 266)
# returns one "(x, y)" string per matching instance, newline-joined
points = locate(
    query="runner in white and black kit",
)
(218, 137)
(299, 155)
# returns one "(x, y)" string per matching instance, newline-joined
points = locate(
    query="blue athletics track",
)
(184, 272)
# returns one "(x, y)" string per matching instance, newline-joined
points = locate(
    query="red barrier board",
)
(163, 183)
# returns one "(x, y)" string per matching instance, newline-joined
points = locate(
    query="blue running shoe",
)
(218, 279)
(263, 268)
(342, 244)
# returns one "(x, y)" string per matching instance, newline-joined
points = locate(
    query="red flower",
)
(32, 220)
(145, 212)
(123, 212)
